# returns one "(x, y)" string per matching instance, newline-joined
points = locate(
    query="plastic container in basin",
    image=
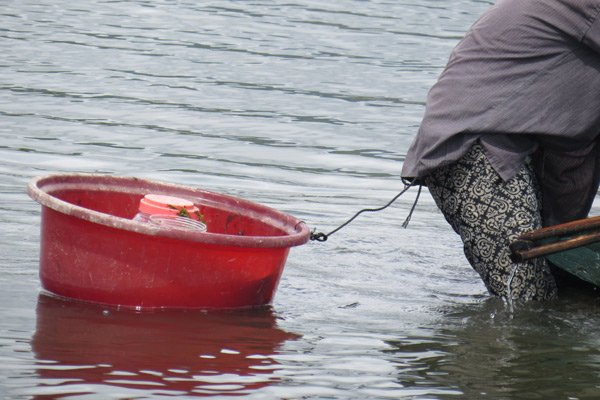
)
(92, 250)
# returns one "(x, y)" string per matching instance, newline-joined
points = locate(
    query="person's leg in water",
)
(488, 214)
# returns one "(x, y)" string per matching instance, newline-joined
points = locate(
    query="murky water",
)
(306, 106)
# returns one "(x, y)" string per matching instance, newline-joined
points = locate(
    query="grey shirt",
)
(525, 78)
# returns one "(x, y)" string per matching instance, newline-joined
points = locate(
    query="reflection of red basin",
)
(91, 249)
(82, 347)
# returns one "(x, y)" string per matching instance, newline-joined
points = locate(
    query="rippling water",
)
(306, 106)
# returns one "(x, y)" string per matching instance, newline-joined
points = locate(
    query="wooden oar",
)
(579, 233)
(567, 228)
(525, 250)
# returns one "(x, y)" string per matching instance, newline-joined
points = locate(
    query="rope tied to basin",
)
(322, 237)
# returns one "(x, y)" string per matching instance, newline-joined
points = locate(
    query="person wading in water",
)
(509, 139)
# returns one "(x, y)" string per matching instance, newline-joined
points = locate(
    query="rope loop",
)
(319, 237)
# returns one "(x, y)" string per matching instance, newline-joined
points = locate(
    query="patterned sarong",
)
(488, 214)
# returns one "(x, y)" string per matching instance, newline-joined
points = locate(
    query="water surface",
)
(305, 106)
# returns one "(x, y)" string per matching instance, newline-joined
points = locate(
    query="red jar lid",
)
(160, 204)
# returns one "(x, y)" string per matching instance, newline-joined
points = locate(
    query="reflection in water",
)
(485, 350)
(86, 349)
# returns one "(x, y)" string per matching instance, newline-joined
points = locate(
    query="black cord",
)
(322, 237)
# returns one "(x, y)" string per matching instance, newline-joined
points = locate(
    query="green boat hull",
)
(583, 262)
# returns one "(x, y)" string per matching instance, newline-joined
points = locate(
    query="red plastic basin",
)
(91, 250)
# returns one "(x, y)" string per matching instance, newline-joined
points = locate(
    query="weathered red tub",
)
(91, 250)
